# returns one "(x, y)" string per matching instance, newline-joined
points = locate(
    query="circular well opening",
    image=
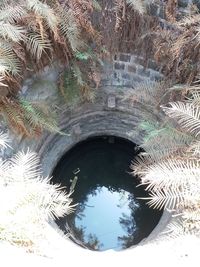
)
(110, 213)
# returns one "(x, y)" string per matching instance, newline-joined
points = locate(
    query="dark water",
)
(109, 214)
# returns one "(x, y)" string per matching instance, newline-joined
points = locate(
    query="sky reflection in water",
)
(101, 217)
(109, 214)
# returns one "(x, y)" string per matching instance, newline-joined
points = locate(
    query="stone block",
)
(143, 72)
(77, 129)
(139, 60)
(125, 57)
(137, 78)
(152, 64)
(132, 68)
(119, 66)
(126, 76)
(183, 3)
(115, 57)
(155, 76)
(111, 102)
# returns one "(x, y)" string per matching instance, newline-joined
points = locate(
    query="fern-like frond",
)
(46, 12)
(25, 166)
(70, 30)
(37, 45)
(150, 92)
(3, 78)
(165, 199)
(189, 20)
(172, 173)
(159, 141)
(186, 114)
(13, 32)
(30, 203)
(4, 140)
(138, 5)
(57, 203)
(194, 149)
(96, 5)
(11, 13)
(9, 63)
(13, 115)
(38, 117)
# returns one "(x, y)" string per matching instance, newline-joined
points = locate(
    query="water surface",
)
(109, 214)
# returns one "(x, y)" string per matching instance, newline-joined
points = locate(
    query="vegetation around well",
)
(79, 36)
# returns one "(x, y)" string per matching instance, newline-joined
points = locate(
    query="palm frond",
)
(9, 63)
(138, 5)
(189, 20)
(3, 77)
(39, 118)
(150, 92)
(12, 13)
(25, 166)
(161, 140)
(46, 12)
(12, 32)
(30, 202)
(186, 114)
(70, 30)
(96, 5)
(37, 45)
(13, 115)
(194, 149)
(172, 173)
(4, 140)
(164, 199)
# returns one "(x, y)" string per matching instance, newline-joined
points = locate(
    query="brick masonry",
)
(127, 70)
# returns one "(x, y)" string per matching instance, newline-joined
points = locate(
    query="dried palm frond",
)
(9, 62)
(70, 30)
(4, 140)
(194, 148)
(46, 12)
(169, 168)
(12, 13)
(138, 5)
(171, 182)
(160, 142)
(37, 45)
(186, 114)
(39, 118)
(26, 118)
(13, 32)
(189, 20)
(151, 93)
(171, 173)
(30, 203)
(96, 5)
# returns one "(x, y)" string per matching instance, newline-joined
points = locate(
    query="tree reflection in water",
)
(108, 214)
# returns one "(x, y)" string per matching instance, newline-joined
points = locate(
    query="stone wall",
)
(127, 70)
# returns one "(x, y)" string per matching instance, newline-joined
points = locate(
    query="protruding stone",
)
(77, 129)
(111, 101)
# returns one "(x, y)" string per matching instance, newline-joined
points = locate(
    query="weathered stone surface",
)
(111, 101)
(183, 3)
(132, 68)
(126, 76)
(125, 57)
(143, 72)
(119, 66)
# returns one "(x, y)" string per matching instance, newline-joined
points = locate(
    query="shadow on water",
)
(109, 214)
